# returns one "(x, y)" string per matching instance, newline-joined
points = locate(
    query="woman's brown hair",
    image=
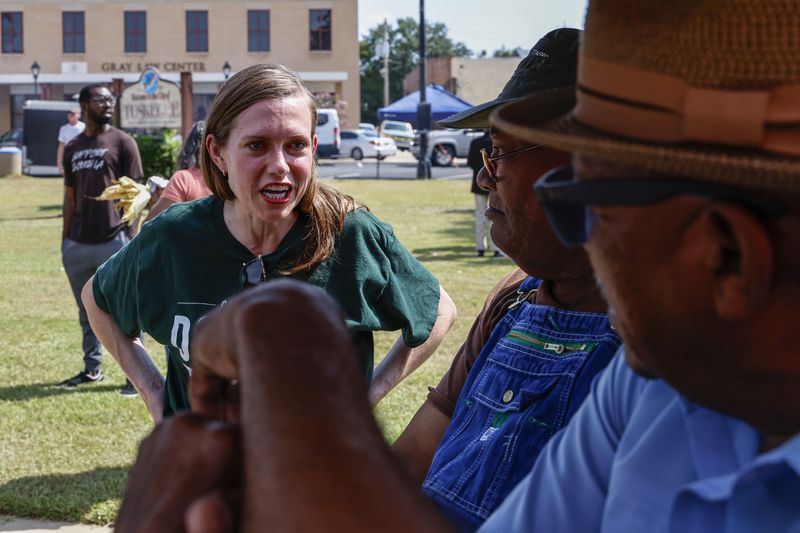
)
(325, 206)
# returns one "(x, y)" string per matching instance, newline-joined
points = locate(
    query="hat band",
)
(660, 108)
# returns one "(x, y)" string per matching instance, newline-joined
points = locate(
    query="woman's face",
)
(268, 157)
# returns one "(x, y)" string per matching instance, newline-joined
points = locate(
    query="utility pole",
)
(385, 50)
(424, 108)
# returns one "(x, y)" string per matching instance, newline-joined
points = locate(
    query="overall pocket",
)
(482, 446)
(517, 396)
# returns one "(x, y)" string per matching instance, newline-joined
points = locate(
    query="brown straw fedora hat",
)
(707, 89)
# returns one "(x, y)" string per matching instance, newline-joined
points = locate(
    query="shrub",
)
(159, 152)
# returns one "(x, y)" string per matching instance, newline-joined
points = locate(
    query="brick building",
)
(77, 42)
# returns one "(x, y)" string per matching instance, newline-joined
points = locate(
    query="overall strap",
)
(526, 288)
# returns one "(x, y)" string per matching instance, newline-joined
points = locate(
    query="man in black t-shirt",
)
(92, 230)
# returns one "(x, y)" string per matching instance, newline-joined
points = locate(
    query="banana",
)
(130, 197)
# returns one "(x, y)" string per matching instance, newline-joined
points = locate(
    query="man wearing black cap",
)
(542, 335)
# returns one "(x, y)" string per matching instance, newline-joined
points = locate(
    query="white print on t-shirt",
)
(181, 333)
(89, 158)
(181, 323)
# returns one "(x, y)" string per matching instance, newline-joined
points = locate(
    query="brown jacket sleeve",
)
(445, 395)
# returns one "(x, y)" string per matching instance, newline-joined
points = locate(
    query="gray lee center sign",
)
(150, 103)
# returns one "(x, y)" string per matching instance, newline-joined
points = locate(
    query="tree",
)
(507, 52)
(404, 48)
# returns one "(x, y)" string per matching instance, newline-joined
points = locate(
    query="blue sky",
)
(481, 24)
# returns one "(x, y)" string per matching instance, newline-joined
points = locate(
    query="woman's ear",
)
(215, 152)
(740, 257)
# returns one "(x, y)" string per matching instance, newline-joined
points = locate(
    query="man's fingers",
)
(214, 397)
(217, 512)
(281, 319)
(185, 458)
(214, 341)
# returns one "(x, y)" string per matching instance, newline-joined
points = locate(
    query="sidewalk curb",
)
(30, 525)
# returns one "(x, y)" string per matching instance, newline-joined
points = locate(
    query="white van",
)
(328, 137)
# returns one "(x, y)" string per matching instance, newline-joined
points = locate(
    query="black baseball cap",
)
(551, 66)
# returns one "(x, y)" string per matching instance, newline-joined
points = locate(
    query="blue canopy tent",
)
(443, 104)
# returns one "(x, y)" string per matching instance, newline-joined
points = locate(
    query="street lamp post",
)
(424, 107)
(35, 73)
(226, 70)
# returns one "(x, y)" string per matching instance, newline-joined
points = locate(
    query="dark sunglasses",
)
(253, 272)
(564, 200)
(488, 160)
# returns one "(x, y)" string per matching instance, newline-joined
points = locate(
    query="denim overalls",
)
(531, 376)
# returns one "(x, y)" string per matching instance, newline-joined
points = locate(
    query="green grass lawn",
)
(64, 454)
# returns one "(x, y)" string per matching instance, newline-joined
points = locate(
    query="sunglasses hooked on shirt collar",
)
(253, 272)
(565, 200)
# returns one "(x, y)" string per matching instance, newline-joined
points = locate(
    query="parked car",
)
(359, 144)
(445, 145)
(401, 132)
(366, 126)
(12, 138)
(328, 139)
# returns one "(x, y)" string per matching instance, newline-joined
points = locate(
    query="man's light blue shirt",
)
(638, 456)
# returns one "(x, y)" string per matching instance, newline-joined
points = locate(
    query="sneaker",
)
(95, 376)
(128, 390)
(480, 253)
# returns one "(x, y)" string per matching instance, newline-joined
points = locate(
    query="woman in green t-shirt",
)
(269, 216)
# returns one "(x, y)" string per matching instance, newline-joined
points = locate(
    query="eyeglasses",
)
(110, 100)
(488, 161)
(564, 200)
(253, 272)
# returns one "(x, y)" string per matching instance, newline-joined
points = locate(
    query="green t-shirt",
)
(185, 262)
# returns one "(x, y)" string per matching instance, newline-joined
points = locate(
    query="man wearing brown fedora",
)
(685, 191)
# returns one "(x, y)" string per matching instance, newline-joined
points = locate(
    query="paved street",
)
(399, 166)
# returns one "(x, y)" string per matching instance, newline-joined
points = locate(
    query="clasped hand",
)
(250, 364)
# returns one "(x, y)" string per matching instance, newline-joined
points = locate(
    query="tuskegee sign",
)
(150, 103)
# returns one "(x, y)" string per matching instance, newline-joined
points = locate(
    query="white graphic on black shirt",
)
(180, 338)
(181, 333)
(89, 158)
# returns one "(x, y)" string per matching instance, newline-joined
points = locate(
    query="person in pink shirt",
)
(187, 183)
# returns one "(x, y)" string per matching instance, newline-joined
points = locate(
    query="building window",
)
(258, 30)
(74, 33)
(12, 32)
(320, 25)
(135, 31)
(197, 31)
